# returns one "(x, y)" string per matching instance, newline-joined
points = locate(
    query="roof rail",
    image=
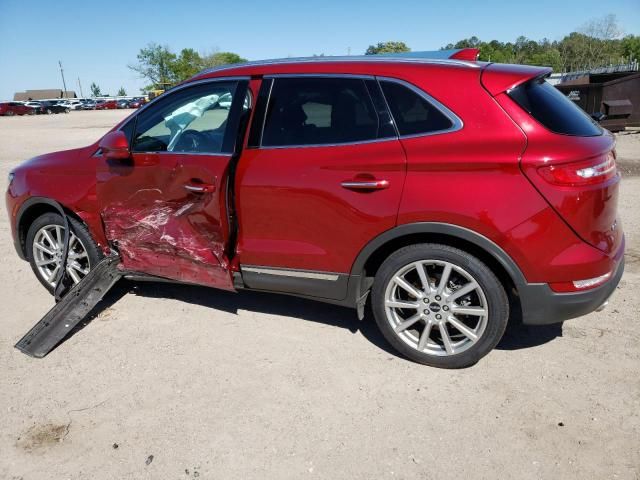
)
(460, 57)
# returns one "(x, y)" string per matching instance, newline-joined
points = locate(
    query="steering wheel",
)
(191, 141)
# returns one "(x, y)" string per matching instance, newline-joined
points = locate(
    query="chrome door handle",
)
(365, 184)
(200, 187)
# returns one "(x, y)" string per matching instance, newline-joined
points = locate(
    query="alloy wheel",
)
(47, 254)
(436, 307)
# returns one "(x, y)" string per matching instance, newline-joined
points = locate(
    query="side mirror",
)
(115, 146)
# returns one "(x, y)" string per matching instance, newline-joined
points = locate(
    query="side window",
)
(192, 120)
(413, 113)
(319, 111)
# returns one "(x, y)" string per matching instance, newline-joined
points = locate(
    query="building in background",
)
(43, 95)
(609, 94)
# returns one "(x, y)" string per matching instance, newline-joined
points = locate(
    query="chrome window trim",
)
(320, 75)
(284, 272)
(456, 122)
(177, 88)
(275, 76)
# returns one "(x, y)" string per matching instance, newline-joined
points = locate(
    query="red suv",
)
(454, 195)
(107, 105)
(9, 109)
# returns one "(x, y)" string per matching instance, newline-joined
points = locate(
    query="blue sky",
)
(97, 40)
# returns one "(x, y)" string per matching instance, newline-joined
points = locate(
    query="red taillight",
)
(585, 172)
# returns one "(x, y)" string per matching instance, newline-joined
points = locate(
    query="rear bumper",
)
(542, 306)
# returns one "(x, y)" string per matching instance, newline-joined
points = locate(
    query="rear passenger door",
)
(322, 175)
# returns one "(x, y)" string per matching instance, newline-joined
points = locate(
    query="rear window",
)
(552, 109)
(319, 111)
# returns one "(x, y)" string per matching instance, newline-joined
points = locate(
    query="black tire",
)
(79, 229)
(496, 298)
(9, 114)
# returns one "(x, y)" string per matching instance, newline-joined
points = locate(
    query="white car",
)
(71, 104)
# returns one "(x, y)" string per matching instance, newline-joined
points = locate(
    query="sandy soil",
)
(182, 382)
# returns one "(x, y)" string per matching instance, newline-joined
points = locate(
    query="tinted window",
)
(413, 113)
(552, 109)
(192, 120)
(317, 111)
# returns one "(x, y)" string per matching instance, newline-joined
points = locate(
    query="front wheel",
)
(45, 240)
(439, 305)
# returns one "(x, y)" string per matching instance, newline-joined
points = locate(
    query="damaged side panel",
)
(160, 228)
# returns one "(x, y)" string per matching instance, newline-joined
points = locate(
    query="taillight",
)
(577, 285)
(584, 172)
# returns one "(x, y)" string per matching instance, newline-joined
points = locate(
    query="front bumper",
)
(542, 306)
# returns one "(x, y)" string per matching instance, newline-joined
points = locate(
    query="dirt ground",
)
(172, 382)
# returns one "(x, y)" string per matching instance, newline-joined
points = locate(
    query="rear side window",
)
(412, 112)
(552, 109)
(319, 111)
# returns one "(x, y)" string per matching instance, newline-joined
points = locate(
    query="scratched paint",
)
(170, 239)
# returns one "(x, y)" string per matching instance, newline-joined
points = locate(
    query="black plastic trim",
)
(445, 229)
(542, 306)
(333, 286)
(26, 205)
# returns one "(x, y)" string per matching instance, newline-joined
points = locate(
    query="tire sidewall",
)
(495, 294)
(79, 229)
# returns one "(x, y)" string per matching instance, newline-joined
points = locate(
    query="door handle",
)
(200, 187)
(365, 184)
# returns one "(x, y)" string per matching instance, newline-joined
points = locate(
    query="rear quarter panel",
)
(472, 178)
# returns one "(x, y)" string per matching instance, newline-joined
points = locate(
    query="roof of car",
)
(439, 57)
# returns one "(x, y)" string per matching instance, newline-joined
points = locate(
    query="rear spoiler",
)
(502, 77)
(469, 54)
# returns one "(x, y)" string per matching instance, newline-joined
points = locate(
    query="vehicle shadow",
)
(517, 336)
(270, 303)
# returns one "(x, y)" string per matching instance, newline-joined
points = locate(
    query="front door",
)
(164, 209)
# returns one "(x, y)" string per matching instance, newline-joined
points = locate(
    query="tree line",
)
(598, 43)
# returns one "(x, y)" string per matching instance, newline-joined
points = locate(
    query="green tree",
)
(221, 58)
(155, 64)
(122, 92)
(630, 46)
(387, 47)
(186, 65)
(95, 90)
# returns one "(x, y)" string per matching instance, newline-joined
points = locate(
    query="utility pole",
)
(64, 84)
(80, 88)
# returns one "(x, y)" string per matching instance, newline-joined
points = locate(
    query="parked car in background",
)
(9, 109)
(51, 106)
(106, 105)
(37, 106)
(452, 196)
(88, 105)
(70, 104)
(123, 103)
(136, 103)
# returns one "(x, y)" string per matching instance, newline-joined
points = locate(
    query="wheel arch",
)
(378, 249)
(31, 209)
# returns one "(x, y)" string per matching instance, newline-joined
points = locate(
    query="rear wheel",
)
(439, 305)
(9, 114)
(45, 240)
(49, 112)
